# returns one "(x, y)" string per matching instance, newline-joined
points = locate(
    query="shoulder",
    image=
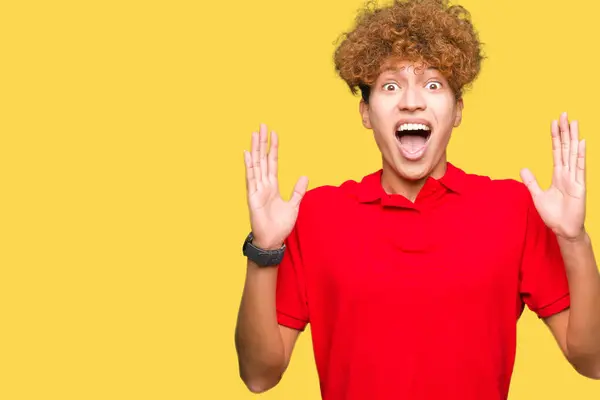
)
(326, 200)
(509, 190)
(506, 200)
(503, 203)
(327, 195)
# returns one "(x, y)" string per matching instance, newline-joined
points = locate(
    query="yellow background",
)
(122, 214)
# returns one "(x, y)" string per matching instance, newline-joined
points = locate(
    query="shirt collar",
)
(370, 188)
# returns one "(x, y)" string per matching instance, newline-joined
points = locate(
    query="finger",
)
(250, 180)
(580, 176)
(531, 183)
(556, 147)
(299, 191)
(573, 146)
(256, 159)
(564, 139)
(263, 152)
(273, 156)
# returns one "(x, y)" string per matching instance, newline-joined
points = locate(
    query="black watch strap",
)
(262, 258)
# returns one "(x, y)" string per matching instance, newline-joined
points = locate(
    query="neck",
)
(394, 183)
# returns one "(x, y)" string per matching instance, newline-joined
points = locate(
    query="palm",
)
(562, 206)
(272, 218)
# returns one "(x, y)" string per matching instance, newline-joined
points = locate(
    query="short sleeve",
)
(291, 302)
(544, 284)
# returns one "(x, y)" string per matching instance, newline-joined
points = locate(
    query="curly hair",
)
(429, 32)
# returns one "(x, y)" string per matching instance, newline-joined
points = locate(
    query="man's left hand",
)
(562, 206)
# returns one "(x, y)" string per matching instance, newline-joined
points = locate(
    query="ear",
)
(459, 107)
(364, 114)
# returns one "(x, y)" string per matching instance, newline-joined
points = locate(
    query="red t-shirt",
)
(418, 300)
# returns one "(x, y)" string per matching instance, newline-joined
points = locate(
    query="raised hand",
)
(271, 218)
(562, 206)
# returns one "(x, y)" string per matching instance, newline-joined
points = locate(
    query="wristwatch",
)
(262, 258)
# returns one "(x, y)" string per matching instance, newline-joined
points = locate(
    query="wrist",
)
(580, 237)
(253, 268)
(267, 244)
(265, 253)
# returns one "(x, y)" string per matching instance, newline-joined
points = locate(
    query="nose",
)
(412, 100)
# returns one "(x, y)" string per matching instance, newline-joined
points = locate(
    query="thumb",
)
(531, 183)
(299, 191)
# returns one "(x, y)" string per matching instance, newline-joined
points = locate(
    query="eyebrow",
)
(396, 70)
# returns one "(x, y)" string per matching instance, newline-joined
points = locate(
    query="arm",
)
(562, 208)
(577, 330)
(263, 347)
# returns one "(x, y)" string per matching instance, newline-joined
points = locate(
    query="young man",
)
(414, 278)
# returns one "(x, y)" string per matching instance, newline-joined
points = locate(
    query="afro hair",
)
(426, 32)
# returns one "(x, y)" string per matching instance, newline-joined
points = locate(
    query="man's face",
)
(412, 114)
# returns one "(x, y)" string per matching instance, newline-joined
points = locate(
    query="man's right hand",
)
(271, 218)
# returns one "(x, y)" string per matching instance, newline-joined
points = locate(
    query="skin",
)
(264, 348)
(404, 92)
(562, 207)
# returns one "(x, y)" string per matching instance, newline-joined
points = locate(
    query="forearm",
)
(258, 339)
(583, 333)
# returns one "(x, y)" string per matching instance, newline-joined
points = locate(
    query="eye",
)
(388, 87)
(434, 85)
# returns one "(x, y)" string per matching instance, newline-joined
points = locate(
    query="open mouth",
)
(413, 137)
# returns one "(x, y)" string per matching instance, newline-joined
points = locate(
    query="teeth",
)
(413, 127)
